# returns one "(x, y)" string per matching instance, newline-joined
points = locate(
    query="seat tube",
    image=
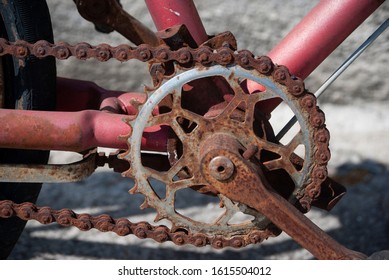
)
(167, 13)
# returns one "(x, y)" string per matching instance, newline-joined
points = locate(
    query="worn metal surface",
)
(177, 37)
(236, 117)
(233, 66)
(61, 173)
(222, 40)
(72, 131)
(75, 131)
(122, 226)
(109, 13)
(249, 186)
(167, 13)
(48, 173)
(221, 168)
(186, 57)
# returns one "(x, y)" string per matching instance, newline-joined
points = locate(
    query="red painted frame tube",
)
(87, 94)
(90, 96)
(167, 13)
(72, 131)
(317, 36)
(320, 33)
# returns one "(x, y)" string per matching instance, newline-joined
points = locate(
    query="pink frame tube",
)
(72, 131)
(167, 13)
(316, 37)
(320, 33)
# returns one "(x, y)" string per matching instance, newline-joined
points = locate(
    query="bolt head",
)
(221, 168)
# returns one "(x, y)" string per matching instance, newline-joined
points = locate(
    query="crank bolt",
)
(221, 168)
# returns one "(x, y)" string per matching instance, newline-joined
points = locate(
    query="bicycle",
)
(161, 233)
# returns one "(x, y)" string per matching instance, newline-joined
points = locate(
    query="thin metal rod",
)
(352, 58)
(338, 72)
(286, 128)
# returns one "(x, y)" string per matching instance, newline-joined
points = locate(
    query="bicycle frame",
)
(100, 117)
(302, 50)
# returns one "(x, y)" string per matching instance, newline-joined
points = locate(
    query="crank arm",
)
(242, 181)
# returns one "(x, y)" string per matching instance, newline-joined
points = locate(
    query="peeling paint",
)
(172, 11)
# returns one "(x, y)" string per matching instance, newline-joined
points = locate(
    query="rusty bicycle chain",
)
(187, 58)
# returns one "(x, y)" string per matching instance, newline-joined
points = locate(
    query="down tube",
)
(318, 35)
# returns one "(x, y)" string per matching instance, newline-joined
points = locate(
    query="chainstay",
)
(187, 58)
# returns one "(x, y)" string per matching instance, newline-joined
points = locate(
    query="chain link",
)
(123, 227)
(187, 58)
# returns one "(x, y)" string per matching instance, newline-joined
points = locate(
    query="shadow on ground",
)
(363, 215)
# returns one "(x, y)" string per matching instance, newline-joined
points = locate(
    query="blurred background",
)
(355, 107)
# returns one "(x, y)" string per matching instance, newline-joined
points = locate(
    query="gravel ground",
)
(355, 110)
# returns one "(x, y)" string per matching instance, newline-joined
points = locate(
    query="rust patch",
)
(250, 187)
(73, 172)
(27, 131)
(111, 15)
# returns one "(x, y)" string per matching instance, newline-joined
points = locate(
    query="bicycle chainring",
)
(237, 118)
(236, 115)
